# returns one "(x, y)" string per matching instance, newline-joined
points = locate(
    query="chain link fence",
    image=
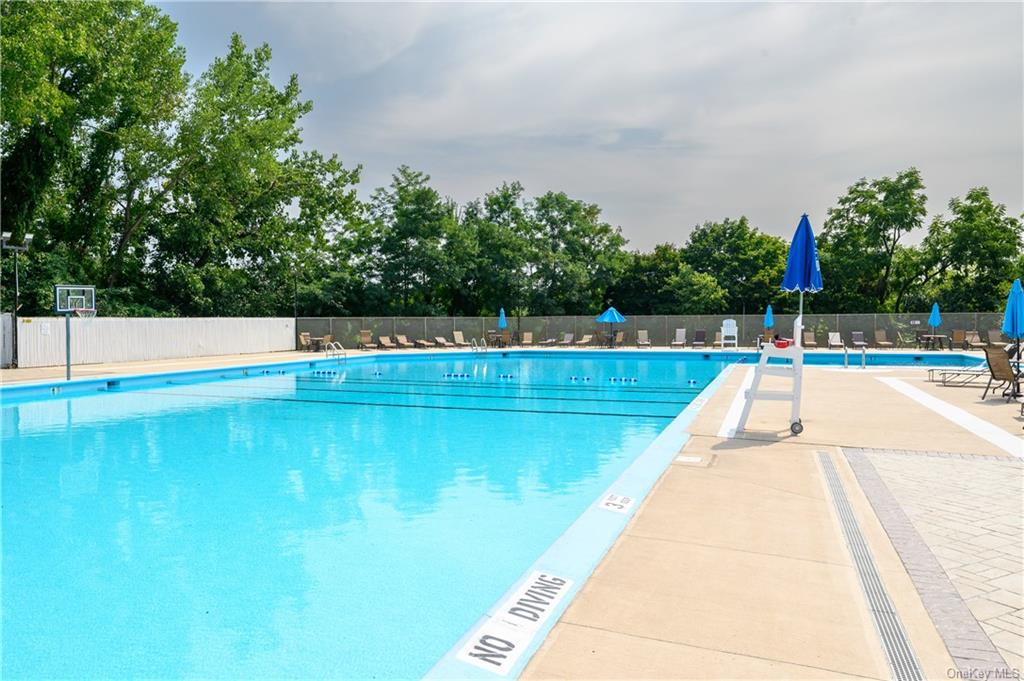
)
(900, 329)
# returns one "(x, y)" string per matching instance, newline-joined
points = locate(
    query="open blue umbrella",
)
(803, 273)
(609, 317)
(1013, 318)
(502, 324)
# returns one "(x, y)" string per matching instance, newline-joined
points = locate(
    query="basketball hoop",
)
(73, 299)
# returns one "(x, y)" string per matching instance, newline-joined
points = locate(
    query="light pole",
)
(6, 245)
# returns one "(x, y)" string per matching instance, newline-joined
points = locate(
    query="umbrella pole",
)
(799, 327)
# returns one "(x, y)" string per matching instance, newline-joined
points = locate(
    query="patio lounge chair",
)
(809, 341)
(459, 340)
(526, 338)
(906, 340)
(365, 339)
(305, 343)
(567, 339)
(857, 339)
(548, 341)
(995, 337)
(402, 341)
(1001, 373)
(642, 340)
(718, 340)
(835, 340)
(700, 338)
(959, 339)
(443, 342)
(881, 340)
(973, 341)
(423, 343)
(384, 343)
(586, 340)
(680, 339)
(620, 338)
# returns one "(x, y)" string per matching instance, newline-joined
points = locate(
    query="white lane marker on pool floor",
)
(732, 417)
(499, 642)
(1008, 442)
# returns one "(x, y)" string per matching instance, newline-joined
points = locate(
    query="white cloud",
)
(665, 114)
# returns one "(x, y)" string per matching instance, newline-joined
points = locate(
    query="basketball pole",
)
(67, 345)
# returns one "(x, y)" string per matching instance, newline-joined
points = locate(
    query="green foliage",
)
(861, 239)
(181, 197)
(746, 263)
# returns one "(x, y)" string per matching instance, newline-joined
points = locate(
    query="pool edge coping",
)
(576, 553)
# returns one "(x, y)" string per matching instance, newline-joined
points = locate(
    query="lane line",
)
(1009, 443)
(732, 417)
(252, 398)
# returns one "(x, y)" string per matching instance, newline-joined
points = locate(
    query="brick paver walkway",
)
(967, 511)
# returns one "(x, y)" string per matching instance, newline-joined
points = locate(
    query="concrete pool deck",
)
(740, 569)
(738, 565)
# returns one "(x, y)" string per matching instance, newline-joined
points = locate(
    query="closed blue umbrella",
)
(609, 317)
(803, 272)
(935, 320)
(502, 324)
(769, 318)
(1013, 318)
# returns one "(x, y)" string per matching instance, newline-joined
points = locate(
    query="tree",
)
(859, 244)
(968, 258)
(577, 256)
(745, 262)
(79, 81)
(412, 223)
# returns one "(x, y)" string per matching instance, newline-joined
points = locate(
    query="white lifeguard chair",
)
(730, 333)
(792, 369)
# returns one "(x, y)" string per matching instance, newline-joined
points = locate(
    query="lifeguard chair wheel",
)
(796, 428)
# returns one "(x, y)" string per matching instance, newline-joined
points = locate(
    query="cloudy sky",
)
(666, 115)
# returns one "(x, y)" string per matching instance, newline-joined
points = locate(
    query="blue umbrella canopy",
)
(935, 320)
(803, 273)
(1013, 317)
(611, 316)
(769, 318)
(502, 323)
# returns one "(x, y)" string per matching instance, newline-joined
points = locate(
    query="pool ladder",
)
(336, 350)
(478, 347)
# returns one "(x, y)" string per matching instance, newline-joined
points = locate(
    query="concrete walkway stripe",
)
(898, 652)
(1009, 443)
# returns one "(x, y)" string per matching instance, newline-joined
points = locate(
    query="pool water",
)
(347, 522)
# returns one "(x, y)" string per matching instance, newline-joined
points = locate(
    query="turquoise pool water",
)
(297, 523)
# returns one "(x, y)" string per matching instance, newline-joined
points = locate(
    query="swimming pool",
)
(338, 520)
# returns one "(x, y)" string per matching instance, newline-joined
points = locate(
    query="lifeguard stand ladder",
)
(793, 370)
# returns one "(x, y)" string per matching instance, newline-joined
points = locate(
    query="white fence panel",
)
(127, 339)
(6, 339)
